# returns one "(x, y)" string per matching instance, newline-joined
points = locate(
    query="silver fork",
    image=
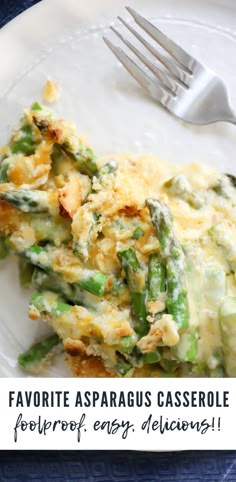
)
(187, 88)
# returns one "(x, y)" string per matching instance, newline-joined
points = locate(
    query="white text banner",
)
(117, 414)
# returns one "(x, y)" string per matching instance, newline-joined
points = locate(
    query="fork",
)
(186, 87)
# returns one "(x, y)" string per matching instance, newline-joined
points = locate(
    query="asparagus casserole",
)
(132, 260)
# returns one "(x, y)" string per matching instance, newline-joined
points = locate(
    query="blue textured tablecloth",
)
(110, 466)
(11, 8)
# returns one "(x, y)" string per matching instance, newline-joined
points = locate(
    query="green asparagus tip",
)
(129, 259)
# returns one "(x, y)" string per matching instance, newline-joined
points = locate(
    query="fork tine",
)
(151, 86)
(169, 45)
(164, 78)
(175, 70)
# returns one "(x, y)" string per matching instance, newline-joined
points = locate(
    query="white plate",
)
(62, 40)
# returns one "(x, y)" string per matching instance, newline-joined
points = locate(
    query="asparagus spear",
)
(152, 357)
(224, 187)
(23, 142)
(156, 284)
(84, 158)
(156, 277)
(4, 166)
(34, 359)
(67, 321)
(223, 234)
(126, 344)
(69, 143)
(137, 286)
(45, 257)
(181, 187)
(26, 271)
(57, 156)
(227, 316)
(213, 286)
(27, 200)
(24, 145)
(49, 304)
(177, 302)
(173, 259)
(4, 249)
(51, 282)
(186, 349)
